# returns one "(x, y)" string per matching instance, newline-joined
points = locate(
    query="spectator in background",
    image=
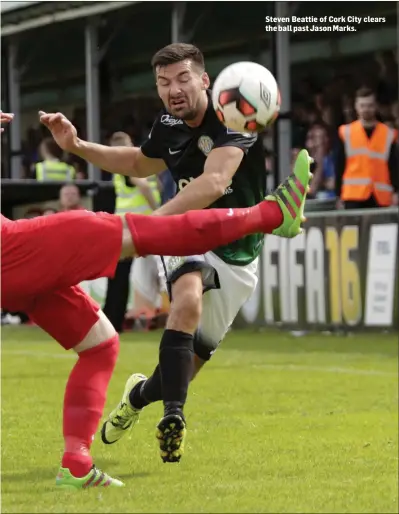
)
(70, 198)
(80, 167)
(318, 144)
(133, 194)
(294, 155)
(327, 115)
(52, 167)
(137, 195)
(366, 160)
(48, 211)
(348, 110)
(319, 101)
(312, 116)
(32, 213)
(150, 297)
(299, 128)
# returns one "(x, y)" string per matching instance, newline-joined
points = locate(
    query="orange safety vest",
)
(366, 170)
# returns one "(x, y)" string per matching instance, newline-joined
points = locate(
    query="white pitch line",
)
(280, 367)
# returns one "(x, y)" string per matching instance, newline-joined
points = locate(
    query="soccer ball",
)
(246, 97)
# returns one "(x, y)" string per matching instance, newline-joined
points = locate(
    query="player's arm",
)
(124, 160)
(116, 159)
(220, 167)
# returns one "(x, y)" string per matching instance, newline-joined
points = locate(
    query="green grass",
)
(275, 424)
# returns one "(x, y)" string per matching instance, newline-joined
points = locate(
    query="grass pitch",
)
(275, 424)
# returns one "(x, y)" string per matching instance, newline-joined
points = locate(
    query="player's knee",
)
(100, 332)
(185, 312)
(186, 306)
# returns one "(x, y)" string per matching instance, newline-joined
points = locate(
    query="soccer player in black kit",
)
(212, 167)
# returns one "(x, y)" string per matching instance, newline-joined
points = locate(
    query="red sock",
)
(84, 402)
(197, 232)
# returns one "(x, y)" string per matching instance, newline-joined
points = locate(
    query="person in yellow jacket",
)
(52, 167)
(367, 159)
(138, 195)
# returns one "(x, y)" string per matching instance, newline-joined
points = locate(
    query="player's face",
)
(317, 140)
(69, 197)
(180, 87)
(366, 108)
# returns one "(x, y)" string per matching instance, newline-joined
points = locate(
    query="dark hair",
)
(52, 147)
(177, 52)
(363, 92)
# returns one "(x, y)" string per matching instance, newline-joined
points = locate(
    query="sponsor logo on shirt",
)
(170, 121)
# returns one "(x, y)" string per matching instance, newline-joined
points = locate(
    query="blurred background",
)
(91, 61)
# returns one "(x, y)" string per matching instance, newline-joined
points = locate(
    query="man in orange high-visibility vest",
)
(367, 159)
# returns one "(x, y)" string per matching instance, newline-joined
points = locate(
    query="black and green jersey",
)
(185, 149)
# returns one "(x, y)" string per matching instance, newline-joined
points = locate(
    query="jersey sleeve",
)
(152, 146)
(238, 139)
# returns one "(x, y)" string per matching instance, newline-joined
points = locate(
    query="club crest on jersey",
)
(170, 121)
(205, 144)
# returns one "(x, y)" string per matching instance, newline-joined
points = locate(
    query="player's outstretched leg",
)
(84, 401)
(291, 197)
(125, 415)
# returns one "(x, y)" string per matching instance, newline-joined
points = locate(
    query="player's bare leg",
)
(176, 358)
(83, 407)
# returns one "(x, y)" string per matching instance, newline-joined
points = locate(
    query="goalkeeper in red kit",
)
(42, 261)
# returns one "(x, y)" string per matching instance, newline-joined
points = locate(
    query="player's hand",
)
(5, 117)
(62, 130)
